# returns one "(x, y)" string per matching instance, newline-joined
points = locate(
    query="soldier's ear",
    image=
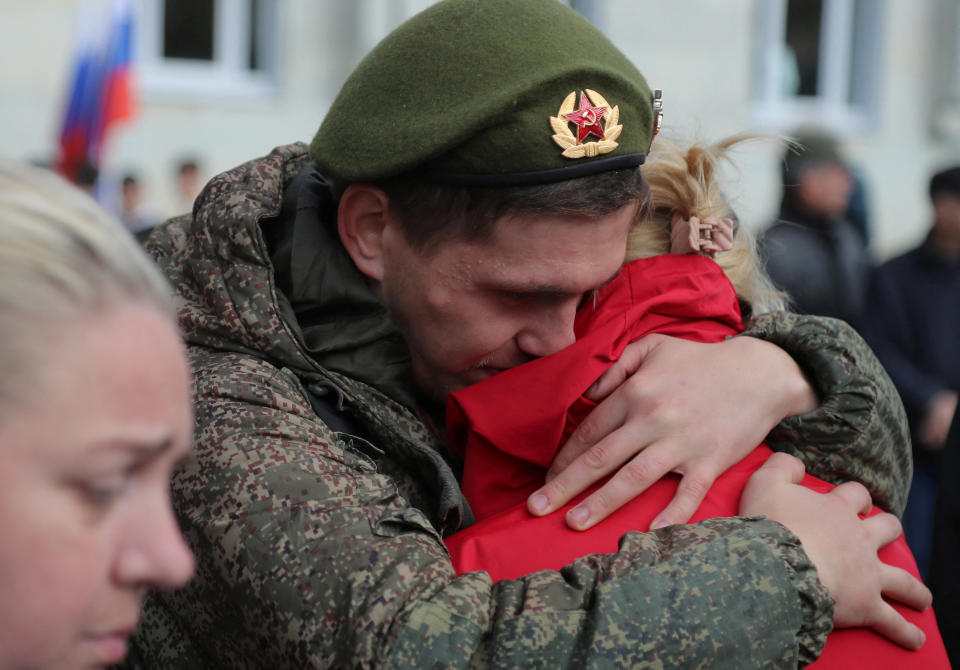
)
(362, 217)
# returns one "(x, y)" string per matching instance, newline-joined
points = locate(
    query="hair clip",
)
(696, 236)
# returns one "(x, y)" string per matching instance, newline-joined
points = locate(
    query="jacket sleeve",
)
(859, 432)
(309, 557)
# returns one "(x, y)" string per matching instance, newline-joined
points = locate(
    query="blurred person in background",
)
(87, 178)
(188, 184)
(813, 251)
(94, 414)
(131, 210)
(913, 325)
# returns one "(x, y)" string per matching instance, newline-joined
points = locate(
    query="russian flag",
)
(100, 92)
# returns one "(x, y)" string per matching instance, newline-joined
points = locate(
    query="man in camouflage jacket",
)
(318, 494)
(317, 547)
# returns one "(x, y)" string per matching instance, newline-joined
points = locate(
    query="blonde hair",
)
(686, 181)
(61, 256)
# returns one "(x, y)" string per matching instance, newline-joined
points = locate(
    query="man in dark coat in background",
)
(813, 252)
(913, 325)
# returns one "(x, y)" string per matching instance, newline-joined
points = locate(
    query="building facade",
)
(221, 81)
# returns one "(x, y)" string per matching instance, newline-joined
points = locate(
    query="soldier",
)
(475, 178)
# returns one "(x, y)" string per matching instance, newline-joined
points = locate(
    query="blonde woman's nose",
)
(155, 553)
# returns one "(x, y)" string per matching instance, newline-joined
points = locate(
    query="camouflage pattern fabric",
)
(860, 411)
(322, 549)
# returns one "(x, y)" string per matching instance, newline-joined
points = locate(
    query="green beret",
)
(488, 92)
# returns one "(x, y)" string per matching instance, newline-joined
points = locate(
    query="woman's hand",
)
(671, 405)
(842, 546)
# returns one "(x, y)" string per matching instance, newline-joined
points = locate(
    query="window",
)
(375, 19)
(817, 61)
(588, 8)
(208, 47)
(946, 73)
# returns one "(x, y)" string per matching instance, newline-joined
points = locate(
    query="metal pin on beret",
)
(489, 93)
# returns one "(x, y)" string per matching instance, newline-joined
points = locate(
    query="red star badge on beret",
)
(587, 119)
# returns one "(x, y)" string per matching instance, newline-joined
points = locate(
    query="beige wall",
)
(699, 51)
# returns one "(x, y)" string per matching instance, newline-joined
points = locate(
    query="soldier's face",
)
(469, 310)
(84, 490)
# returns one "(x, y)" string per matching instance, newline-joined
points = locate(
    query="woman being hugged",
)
(693, 275)
(94, 415)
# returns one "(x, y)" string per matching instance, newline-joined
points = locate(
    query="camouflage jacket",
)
(318, 547)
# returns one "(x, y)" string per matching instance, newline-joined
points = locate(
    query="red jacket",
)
(509, 427)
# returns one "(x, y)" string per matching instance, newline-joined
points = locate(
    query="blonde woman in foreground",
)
(94, 415)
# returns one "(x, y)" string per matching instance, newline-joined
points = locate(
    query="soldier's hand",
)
(671, 405)
(843, 546)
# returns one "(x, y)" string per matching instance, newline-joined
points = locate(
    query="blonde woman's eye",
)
(102, 494)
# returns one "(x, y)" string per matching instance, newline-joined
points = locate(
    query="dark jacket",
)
(913, 324)
(822, 263)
